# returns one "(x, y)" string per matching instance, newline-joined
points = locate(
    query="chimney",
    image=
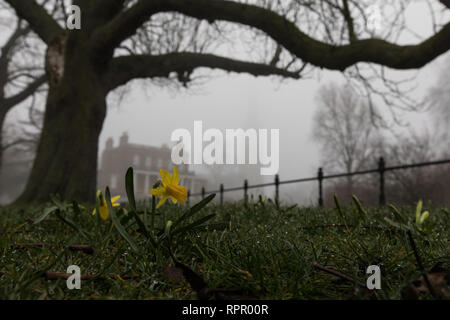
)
(109, 143)
(124, 139)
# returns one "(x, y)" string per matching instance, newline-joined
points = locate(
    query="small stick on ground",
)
(31, 220)
(334, 225)
(87, 249)
(338, 274)
(50, 275)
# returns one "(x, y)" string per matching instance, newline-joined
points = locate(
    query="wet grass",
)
(259, 250)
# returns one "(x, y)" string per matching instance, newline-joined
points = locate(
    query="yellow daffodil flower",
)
(170, 188)
(103, 207)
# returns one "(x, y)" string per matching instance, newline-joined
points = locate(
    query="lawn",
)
(240, 250)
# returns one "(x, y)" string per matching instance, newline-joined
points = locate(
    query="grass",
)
(262, 249)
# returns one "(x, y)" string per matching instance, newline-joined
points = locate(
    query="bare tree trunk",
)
(2, 122)
(66, 160)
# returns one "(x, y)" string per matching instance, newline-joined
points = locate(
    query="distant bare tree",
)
(343, 128)
(405, 186)
(410, 185)
(21, 75)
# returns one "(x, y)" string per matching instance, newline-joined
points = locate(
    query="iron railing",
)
(381, 170)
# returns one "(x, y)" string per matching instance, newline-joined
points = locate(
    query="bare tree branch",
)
(27, 92)
(124, 69)
(38, 18)
(349, 20)
(445, 3)
(283, 31)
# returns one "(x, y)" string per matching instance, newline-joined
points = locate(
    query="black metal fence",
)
(381, 170)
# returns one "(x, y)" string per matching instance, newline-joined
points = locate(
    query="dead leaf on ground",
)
(439, 278)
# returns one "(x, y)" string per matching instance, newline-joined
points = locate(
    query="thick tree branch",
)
(313, 51)
(282, 31)
(445, 3)
(109, 8)
(40, 21)
(124, 69)
(25, 93)
(124, 25)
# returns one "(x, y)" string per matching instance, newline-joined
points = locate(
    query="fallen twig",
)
(334, 225)
(87, 249)
(31, 220)
(338, 274)
(50, 275)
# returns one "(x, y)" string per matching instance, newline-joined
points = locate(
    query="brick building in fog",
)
(146, 162)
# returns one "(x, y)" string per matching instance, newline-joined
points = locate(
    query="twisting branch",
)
(285, 32)
(25, 93)
(126, 68)
(445, 3)
(40, 21)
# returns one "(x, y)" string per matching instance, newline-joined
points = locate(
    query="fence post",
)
(277, 187)
(320, 179)
(245, 190)
(221, 193)
(203, 193)
(381, 170)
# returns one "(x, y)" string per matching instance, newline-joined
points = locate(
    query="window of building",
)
(140, 183)
(136, 160)
(159, 163)
(187, 183)
(148, 162)
(113, 182)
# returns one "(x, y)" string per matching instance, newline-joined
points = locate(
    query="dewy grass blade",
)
(145, 215)
(46, 213)
(72, 225)
(194, 209)
(193, 225)
(129, 185)
(398, 215)
(341, 213)
(110, 263)
(143, 228)
(361, 210)
(117, 223)
(42, 271)
(418, 211)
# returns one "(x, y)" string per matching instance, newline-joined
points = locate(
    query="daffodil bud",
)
(424, 216)
(168, 226)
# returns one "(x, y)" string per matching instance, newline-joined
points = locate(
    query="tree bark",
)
(66, 160)
(2, 122)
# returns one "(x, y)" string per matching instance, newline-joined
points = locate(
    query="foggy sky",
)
(230, 101)
(243, 101)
